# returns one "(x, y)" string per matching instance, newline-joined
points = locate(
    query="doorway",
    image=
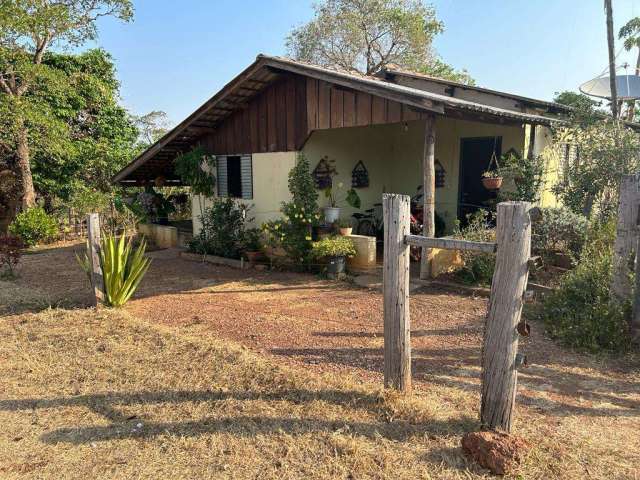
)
(475, 157)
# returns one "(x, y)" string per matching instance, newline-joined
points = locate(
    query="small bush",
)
(581, 314)
(293, 231)
(122, 268)
(333, 247)
(478, 267)
(10, 253)
(34, 226)
(223, 227)
(559, 230)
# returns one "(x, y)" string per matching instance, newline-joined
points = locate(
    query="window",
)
(235, 176)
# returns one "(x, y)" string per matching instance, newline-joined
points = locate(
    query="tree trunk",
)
(25, 179)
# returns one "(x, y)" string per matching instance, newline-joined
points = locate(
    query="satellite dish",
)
(628, 87)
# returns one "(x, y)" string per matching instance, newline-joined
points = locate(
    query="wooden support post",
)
(499, 369)
(626, 232)
(397, 344)
(635, 317)
(429, 193)
(97, 280)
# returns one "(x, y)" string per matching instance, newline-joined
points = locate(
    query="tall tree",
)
(367, 35)
(630, 33)
(79, 135)
(28, 29)
(152, 126)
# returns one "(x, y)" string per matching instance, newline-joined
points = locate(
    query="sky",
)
(177, 54)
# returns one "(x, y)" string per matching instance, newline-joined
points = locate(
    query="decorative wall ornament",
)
(440, 174)
(359, 176)
(324, 172)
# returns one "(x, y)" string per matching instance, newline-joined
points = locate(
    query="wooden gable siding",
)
(281, 117)
(275, 120)
(333, 106)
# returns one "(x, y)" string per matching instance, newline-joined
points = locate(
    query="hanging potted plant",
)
(334, 251)
(492, 180)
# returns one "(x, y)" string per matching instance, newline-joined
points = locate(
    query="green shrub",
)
(122, 268)
(223, 227)
(581, 314)
(333, 247)
(559, 230)
(478, 267)
(293, 231)
(34, 226)
(252, 240)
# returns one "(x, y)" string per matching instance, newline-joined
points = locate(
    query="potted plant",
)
(345, 227)
(492, 180)
(334, 250)
(252, 244)
(332, 211)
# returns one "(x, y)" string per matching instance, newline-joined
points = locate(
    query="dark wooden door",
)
(475, 156)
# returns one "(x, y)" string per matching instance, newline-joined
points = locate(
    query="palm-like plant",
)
(122, 268)
(630, 32)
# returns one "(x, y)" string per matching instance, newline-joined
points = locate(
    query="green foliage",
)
(252, 240)
(293, 231)
(581, 313)
(607, 150)
(478, 267)
(302, 186)
(559, 230)
(122, 268)
(78, 135)
(197, 169)
(344, 223)
(579, 101)
(333, 247)
(34, 226)
(366, 36)
(528, 176)
(223, 228)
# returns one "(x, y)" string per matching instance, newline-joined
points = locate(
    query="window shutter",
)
(246, 170)
(223, 190)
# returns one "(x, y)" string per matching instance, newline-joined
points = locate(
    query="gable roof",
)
(265, 69)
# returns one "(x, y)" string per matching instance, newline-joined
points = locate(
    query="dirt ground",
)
(334, 327)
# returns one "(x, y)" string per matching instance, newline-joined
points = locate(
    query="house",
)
(383, 125)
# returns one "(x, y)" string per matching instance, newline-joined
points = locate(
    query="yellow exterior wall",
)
(550, 153)
(270, 188)
(393, 156)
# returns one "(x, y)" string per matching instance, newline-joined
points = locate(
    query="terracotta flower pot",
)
(492, 183)
(345, 231)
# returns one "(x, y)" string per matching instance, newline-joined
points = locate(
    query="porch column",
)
(428, 190)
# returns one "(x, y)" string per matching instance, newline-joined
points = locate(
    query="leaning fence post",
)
(625, 242)
(97, 280)
(500, 345)
(397, 346)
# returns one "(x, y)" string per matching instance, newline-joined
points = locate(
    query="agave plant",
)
(122, 268)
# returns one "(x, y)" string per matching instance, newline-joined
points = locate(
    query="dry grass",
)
(108, 395)
(104, 395)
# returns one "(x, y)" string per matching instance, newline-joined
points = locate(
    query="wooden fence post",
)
(97, 280)
(626, 231)
(397, 344)
(500, 345)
